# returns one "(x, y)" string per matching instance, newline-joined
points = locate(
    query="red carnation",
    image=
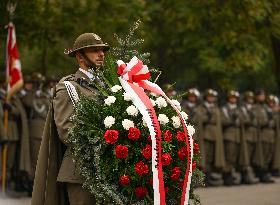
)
(167, 136)
(196, 148)
(133, 133)
(141, 191)
(180, 136)
(121, 151)
(124, 180)
(141, 168)
(166, 159)
(147, 152)
(193, 165)
(183, 153)
(111, 136)
(175, 173)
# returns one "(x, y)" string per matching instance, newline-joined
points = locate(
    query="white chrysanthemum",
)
(177, 104)
(127, 97)
(153, 102)
(110, 100)
(109, 121)
(161, 102)
(132, 110)
(116, 88)
(163, 119)
(176, 121)
(184, 115)
(191, 130)
(127, 124)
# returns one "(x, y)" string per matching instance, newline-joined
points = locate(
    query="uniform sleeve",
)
(63, 110)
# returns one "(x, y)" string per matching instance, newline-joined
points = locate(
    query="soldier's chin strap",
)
(88, 62)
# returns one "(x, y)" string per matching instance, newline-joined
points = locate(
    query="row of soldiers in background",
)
(27, 111)
(239, 142)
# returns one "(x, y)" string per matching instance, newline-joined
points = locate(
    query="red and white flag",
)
(13, 65)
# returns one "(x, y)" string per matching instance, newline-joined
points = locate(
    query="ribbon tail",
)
(145, 107)
(189, 140)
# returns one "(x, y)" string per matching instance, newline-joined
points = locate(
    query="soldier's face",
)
(261, 98)
(250, 100)
(192, 98)
(232, 100)
(211, 98)
(96, 55)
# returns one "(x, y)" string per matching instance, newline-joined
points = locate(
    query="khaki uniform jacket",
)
(197, 118)
(55, 162)
(233, 131)
(276, 159)
(210, 128)
(231, 123)
(249, 123)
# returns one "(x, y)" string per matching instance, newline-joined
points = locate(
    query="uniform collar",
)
(87, 73)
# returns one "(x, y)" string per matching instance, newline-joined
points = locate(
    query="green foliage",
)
(204, 43)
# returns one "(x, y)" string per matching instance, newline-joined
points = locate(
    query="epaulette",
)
(68, 78)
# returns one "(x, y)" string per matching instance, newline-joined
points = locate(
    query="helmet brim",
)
(72, 53)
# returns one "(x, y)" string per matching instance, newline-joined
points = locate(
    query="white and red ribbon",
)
(134, 80)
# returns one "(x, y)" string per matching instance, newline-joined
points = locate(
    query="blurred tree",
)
(203, 43)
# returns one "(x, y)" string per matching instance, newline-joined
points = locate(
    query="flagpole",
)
(11, 9)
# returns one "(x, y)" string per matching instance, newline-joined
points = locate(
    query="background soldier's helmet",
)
(38, 77)
(233, 93)
(194, 92)
(86, 40)
(273, 99)
(249, 94)
(211, 92)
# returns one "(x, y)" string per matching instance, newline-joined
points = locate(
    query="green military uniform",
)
(268, 134)
(249, 133)
(36, 103)
(17, 140)
(56, 172)
(211, 133)
(195, 117)
(276, 158)
(231, 135)
(265, 139)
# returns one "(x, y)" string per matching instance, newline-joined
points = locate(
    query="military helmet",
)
(193, 91)
(38, 77)
(86, 40)
(260, 92)
(249, 94)
(233, 93)
(211, 92)
(272, 98)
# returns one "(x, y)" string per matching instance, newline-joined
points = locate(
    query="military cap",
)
(272, 98)
(233, 93)
(86, 40)
(260, 92)
(211, 92)
(249, 94)
(38, 77)
(193, 91)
